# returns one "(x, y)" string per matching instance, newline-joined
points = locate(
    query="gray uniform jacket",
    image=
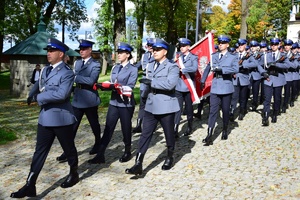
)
(229, 65)
(88, 74)
(191, 65)
(164, 78)
(146, 58)
(292, 66)
(254, 72)
(243, 77)
(127, 76)
(54, 99)
(276, 80)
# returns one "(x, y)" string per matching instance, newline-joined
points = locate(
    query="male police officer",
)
(241, 80)
(276, 64)
(224, 65)
(146, 58)
(161, 105)
(188, 64)
(85, 99)
(56, 118)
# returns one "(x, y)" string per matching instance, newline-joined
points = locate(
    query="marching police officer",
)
(295, 72)
(146, 58)
(120, 106)
(161, 105)
(224, 65)
(255, 78)
(275, 64)
(288, 74)
(56, 118)
(188, 64)
(241, 80)
(85, 99)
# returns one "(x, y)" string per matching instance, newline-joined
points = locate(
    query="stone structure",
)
(293, 26)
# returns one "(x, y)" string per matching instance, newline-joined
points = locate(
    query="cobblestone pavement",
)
(254, 163)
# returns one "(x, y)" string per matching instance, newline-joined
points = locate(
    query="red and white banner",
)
(203, 49)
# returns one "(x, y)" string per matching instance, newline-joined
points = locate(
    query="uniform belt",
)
(292, 70)
(166, 92)
(274, 71)
(84, 86)
(220, 75)
(253, 70)
(243, 71)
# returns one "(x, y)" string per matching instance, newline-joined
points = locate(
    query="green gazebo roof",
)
(35, 43)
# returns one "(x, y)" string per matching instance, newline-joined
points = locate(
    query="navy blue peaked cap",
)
(56, 44)
(242, 41)
(85, 43)
(150, 41)
(159, 43)
(224, 38)
(122, 46)
(254, 43)
(295, 45)
(274, 40)
(288, 42)
(184, 41)
(263, 44)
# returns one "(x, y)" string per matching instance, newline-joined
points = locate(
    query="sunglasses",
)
(223, 42)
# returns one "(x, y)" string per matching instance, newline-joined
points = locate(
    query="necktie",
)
(184, 58)
(241, 56)
(121, 67)
(82, 63)
(221, 55)
(273, 56)
(48, 70)
(156, 65)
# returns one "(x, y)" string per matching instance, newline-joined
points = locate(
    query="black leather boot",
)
(62, 158)
(176, 131)
(138, 128)
(137, 168)
(99, 158)
(225, 133)
(28, 190)
(168, 164)
(95, 148)
(292, 103)
(274, 117)
(265, 119)
(283, 110)
(254, 106)
(231, 115)
(208, 139)
(127, 155)
(242, 114)
(189, 128)
(72, 179)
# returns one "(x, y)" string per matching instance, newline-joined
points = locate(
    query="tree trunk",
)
(119, 25)
(244, 15)
(2, 16)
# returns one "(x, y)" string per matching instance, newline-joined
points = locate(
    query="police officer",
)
(120, 106)
(295, 72)
(224, 65)
(276, 64)
(188, 64)
(241, 80)
(146, 58)
(161, 105)
(263, 49)
(255, 76)
(85, 99)
(56, 118)
(288, 74)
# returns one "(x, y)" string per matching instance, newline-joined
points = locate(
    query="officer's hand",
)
(217, 69)
(97, 86)
(145, 81)
(202, 86)
(265, 75)
(29, 100)
(272, 64)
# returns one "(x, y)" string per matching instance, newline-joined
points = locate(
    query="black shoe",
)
(198, 115)
(265, 119)
(283, 110)
(137, 168)
(189, 129)
(292, 104)
(168, 164)
(94, 150)
(208, 139)
(71, 180)
(254, 106)
(126, 157)
(274, 119)
(231, 117)
(225, 133)
(98, 159)
(25, 191)
(62, 158)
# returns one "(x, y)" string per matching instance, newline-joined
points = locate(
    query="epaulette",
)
(67, 66)
(151, 61)
(214, 53)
